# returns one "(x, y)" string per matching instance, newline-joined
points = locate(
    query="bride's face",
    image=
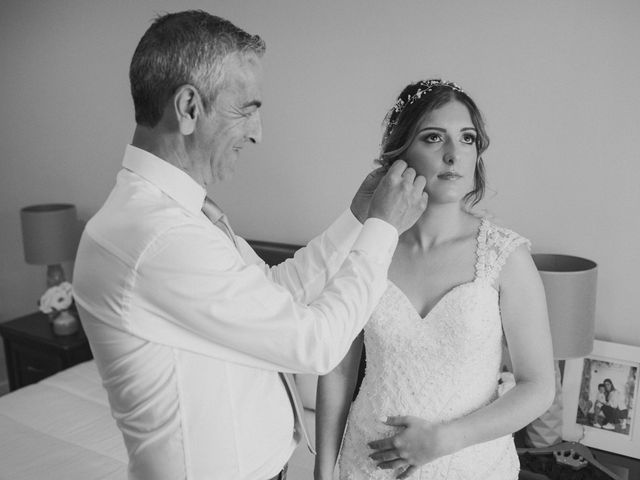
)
(444, 152)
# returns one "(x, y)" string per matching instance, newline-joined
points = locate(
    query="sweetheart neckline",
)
(441, 299)
(481, 227)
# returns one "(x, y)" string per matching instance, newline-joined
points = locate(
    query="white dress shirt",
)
(189, 332)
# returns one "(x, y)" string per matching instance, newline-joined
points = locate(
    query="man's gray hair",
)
(182, 48)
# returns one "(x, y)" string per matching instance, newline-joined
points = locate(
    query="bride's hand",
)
(418, 442)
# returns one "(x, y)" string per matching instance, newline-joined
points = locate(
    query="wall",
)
(557, 81)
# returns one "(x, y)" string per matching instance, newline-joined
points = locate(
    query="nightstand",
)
(626, 468)
(33, 352)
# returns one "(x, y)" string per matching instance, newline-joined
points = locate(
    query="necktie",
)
(218, 218)
(298, 408)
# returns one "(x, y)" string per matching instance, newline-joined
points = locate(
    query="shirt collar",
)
(171, 180)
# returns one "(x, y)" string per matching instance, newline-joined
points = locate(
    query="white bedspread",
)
(61, 428)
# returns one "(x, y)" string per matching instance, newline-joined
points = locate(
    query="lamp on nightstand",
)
(50, 237)
(570, 287)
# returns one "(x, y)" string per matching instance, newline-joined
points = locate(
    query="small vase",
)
(65, 323)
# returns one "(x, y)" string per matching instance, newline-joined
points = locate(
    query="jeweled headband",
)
(425, 86)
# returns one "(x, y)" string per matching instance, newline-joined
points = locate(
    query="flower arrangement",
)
(56, 299)
(57, 302)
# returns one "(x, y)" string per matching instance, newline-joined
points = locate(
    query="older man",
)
(189, 328)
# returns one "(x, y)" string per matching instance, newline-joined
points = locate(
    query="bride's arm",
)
(526, 328)
(525, 323)
(333, 400)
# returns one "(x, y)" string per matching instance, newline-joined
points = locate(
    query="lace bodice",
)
(438, 367)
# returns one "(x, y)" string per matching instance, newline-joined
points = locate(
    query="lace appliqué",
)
(495, 244)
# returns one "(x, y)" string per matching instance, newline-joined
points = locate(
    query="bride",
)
(428, 406)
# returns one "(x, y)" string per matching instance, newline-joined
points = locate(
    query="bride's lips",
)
(449, 176)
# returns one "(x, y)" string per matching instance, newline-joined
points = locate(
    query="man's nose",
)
(254, 133)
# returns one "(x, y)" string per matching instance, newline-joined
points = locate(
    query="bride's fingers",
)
(384, 455)
(383, 444)
(393, 464)
(408, 472)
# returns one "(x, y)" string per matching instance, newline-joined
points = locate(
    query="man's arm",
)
(211, 303)
(186, 291)
(306, 275)
(308, 272)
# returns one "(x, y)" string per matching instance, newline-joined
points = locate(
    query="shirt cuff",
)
(377, 239)
(344, 230)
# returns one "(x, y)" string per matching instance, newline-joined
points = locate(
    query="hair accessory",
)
(424, 87)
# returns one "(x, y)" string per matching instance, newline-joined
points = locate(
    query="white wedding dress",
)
(438, 367)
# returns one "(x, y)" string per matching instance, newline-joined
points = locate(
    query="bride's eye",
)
(432, 138)
(469, 138)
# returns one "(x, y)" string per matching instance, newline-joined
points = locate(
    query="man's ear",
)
(188, 107)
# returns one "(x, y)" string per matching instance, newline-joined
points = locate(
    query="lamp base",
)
(65, 323)
(546, 430)
(55, 275)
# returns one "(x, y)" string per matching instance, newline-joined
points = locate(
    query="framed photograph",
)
(600, 398)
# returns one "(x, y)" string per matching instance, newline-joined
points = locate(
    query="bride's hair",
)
(412, 105)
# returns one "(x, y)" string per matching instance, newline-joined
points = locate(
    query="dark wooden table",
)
(33, 352)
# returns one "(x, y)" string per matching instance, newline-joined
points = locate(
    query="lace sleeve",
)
(498, 244)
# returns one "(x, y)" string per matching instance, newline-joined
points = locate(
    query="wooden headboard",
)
(273, 253)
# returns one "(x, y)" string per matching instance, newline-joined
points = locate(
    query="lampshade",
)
(49, 233)
(570, 288)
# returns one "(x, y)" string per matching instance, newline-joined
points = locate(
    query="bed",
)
(61, 428)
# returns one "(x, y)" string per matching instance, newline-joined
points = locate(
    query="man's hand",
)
(362, 199)
(418, 442)
(400, 198)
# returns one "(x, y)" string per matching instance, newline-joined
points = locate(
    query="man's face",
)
(233, 121)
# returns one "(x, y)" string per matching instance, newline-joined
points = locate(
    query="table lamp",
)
(50, 237)
(570, 287)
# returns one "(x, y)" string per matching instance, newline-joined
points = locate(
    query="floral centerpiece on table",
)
(57, 302)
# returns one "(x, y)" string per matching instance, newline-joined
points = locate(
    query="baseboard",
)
(4, 387)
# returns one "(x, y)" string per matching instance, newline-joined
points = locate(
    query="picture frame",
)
(601, 399)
